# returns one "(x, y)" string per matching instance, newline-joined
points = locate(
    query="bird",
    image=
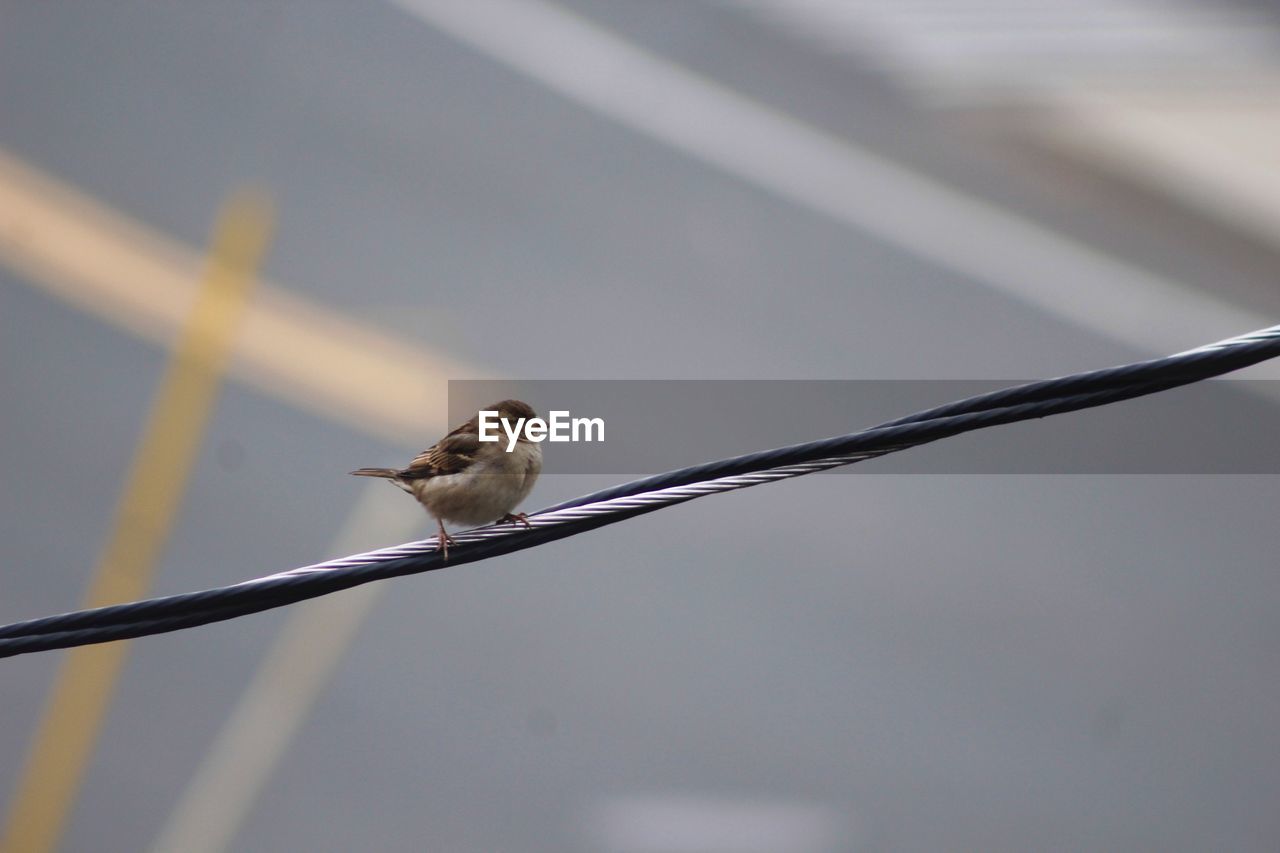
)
(463, 480)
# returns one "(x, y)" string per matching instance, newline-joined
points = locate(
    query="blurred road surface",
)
(839, 663)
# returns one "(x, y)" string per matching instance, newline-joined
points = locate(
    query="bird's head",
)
(513, 412)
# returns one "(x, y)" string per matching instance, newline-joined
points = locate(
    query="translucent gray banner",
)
(649, 426)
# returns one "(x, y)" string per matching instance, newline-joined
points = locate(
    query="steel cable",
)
(628, 500)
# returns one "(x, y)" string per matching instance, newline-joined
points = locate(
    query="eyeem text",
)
(560, 426)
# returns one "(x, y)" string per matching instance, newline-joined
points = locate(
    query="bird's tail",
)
(384, 473)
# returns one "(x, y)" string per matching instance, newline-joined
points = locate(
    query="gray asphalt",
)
(927, 662)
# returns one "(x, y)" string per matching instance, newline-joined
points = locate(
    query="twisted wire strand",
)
(62, 631)
(1183, 368)
(619, 503)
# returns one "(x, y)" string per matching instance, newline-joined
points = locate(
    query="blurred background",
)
(425, 190)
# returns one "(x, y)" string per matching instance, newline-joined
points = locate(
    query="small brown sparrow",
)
(468, 481)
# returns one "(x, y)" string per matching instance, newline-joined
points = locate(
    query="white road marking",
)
(966, 52)
(1067, 279)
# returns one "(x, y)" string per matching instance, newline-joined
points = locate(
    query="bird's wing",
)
(452, 454)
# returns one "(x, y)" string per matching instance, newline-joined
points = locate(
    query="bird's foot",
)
(516, 518)
(445, 541)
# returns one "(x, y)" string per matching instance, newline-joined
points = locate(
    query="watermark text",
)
(560, 426)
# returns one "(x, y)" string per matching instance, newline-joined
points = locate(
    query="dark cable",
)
(1024, 402)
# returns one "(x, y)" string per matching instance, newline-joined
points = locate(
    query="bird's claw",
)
(516, 518)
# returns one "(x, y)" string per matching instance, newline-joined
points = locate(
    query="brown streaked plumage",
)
(468, 481)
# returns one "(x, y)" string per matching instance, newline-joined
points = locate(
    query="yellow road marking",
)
(149, 502)
(117, 269)
(293, 674)
(100, 261)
